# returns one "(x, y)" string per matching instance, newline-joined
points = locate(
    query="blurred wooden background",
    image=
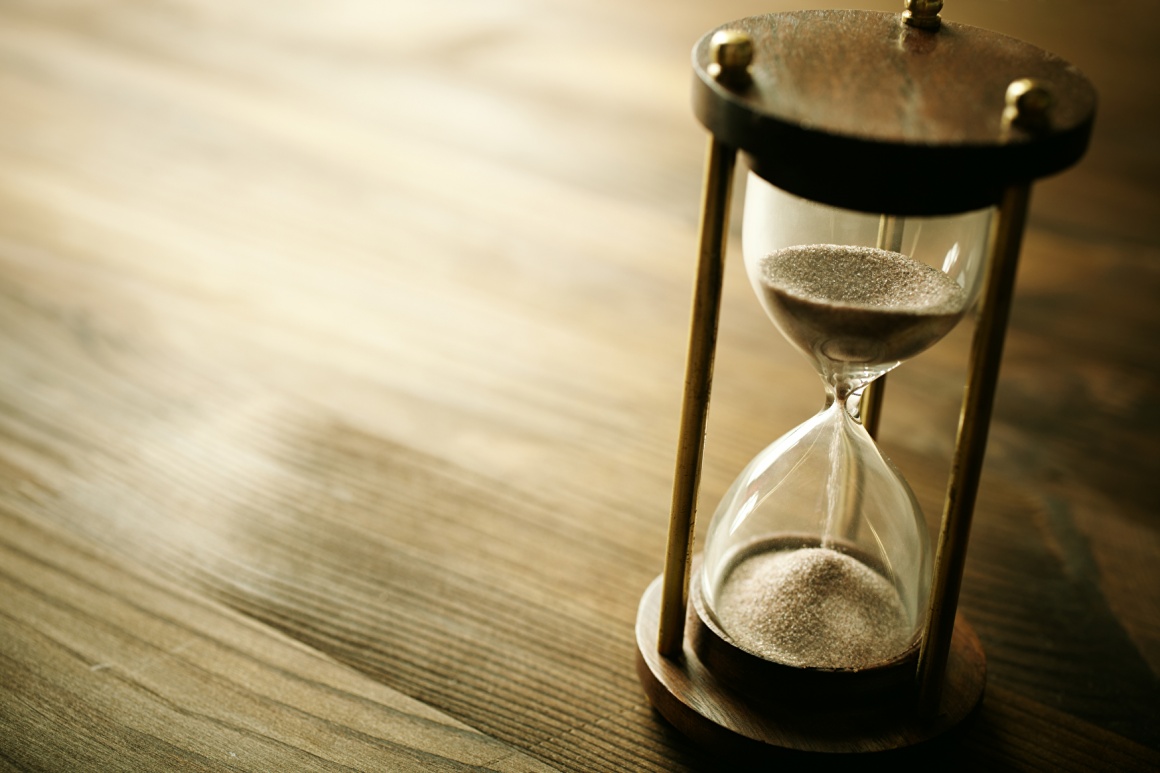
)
(340, 356)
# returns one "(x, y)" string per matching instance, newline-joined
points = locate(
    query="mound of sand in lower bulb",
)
(813, 607)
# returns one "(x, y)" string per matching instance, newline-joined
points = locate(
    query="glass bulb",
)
(822, 488)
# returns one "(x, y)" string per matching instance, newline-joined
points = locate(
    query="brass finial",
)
(1028, 105)
(923, 14)
(730, 52)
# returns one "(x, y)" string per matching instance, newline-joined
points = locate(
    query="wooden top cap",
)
(859, 110)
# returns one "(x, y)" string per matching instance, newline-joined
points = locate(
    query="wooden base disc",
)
(720, 718)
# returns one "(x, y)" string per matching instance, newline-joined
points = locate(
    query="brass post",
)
(870, 406)
(719, 165)
(731, 52)
(1028, 107)
(974, 421)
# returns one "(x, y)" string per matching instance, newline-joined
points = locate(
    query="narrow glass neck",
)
(842, 380)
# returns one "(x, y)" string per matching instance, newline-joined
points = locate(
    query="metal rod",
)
(870, 404)
(974, 421)
(719, 162)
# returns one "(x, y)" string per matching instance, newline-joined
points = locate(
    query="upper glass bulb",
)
(859, 293)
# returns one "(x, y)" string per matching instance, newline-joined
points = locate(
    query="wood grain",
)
(138, 674)
(345, 341)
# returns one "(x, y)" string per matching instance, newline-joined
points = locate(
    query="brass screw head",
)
(730, 53)
(923, 14)
(1028, 104)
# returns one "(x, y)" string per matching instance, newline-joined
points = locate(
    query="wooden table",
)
(340, 356)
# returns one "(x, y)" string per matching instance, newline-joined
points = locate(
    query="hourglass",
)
(818, 556)
(890, 165)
